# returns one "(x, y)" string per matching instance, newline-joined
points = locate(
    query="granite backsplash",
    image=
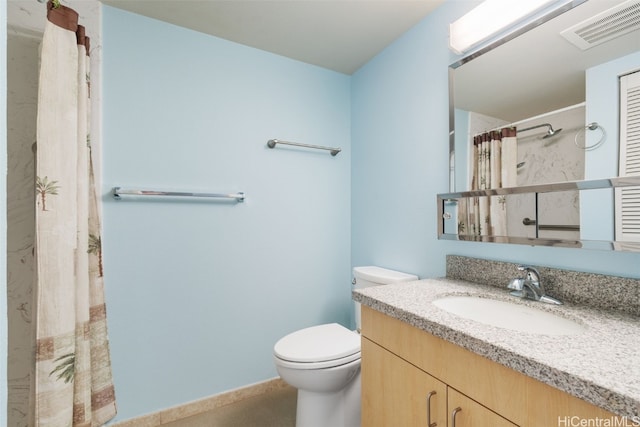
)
(598, 291)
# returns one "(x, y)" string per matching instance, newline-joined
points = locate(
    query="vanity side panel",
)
(548, 406)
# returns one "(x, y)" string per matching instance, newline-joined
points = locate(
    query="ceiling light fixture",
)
(489, 18)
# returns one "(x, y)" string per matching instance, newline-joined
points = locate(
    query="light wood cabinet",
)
(402, 364)
(469, 413)
(396, 393)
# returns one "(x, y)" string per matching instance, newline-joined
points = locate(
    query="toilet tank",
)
(364, 277)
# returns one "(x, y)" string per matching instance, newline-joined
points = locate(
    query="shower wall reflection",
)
(556, 158)
(553, 159)
(541, 159)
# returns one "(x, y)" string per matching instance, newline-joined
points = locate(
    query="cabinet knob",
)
(429, 396)
(453, 416)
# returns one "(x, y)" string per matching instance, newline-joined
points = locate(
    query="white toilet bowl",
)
(323, 363)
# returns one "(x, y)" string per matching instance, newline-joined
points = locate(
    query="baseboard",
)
(199, 406)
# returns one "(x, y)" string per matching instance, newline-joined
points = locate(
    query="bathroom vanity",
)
(422, 364)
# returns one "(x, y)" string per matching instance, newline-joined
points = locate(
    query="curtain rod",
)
(540, 116)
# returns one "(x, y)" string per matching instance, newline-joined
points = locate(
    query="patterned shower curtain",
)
(72, 382)
(494, 165)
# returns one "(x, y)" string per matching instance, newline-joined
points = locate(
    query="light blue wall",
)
(400, 147)
(4, 335)
(199, 292)
(603, 107)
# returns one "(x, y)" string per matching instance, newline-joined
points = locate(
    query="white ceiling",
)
(341, 35)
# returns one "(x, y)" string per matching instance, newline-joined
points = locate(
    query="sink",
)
(503, 314)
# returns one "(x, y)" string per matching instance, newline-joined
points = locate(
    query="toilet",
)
(323, 362)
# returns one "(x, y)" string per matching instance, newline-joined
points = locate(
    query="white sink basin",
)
(503, 314)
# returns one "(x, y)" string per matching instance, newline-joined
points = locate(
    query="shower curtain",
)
(494, 165)
(72, 382)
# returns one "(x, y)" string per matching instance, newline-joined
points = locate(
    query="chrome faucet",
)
(530, 286)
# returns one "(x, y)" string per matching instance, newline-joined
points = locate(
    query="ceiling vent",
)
(605, 26)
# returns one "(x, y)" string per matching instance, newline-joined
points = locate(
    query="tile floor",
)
(275, 408)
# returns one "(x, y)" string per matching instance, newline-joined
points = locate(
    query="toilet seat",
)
(354, 359)
(318, 347)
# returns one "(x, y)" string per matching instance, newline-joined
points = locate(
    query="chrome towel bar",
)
(272, 143)
(118, 192)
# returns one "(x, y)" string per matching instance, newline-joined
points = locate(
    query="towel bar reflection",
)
(272, 143)
(528, 221)
(118, 192)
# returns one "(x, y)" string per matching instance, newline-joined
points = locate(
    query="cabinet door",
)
(471, 413)
(396, 393)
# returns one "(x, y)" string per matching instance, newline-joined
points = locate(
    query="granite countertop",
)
(600, 365)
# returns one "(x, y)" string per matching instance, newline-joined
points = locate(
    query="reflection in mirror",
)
(547, 215)
(541, 78)
(497, 215)
(528, 215)
(550, 106)
(558, 215)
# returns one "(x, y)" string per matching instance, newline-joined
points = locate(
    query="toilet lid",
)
(318, 344)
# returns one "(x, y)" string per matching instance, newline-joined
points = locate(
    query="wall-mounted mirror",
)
(527, 79)
(558, 85)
